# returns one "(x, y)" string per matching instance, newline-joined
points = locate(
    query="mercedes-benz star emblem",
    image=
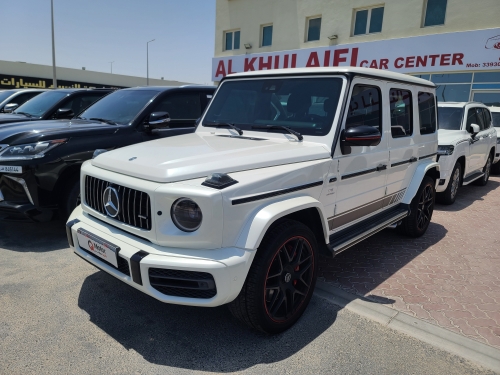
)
(111, 201)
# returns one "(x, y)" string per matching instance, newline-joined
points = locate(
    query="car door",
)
(184, 109)
(489, 132)
(478, 145)
(362, 170)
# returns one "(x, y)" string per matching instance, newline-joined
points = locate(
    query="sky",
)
(91, 33)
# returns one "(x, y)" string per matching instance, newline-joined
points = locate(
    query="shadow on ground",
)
(33, 237)
(192, 338)
(469, 194)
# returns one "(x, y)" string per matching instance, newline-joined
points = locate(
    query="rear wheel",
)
(450, 194)
(281, 280)
(486, 170)
(421, 209)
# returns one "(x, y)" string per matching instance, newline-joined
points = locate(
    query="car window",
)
(82, 101)
(365, 107)
(496, 119)
(472, 119)
(486, 118)
(450, 118)
(401, 113)
(427, 112)
(180, 106)
(23, 98)
(5, 94)
(40, 104)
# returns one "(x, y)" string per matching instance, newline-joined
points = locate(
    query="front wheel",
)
(281, 280)
(421, 209)
(486, 176)
(450, 194)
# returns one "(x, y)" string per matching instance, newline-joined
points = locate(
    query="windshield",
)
(40, 104)
(306, 105)
(5, 94)
(120, 106)
(450, 118)
(496, 119)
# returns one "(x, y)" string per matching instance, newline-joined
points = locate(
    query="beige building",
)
(455, 43)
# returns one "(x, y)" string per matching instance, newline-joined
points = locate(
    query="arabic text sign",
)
(17, 82)
(468, 50)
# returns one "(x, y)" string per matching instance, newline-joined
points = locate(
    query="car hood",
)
(34, 131)
(451, 137)
(5, 118)
(198, 155)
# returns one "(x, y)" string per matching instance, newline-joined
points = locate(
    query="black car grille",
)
(135, 205)
(123, 266)
(177, 283)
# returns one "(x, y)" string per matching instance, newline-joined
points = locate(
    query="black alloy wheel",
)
(421, 209)
(289, 278)
(425, 208)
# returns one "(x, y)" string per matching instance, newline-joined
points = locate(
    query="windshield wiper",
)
(279, 127)
(224, 124)
(24, 113)
(80, 118)
(103, 120)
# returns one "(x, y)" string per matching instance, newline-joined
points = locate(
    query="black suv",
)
(54, 104)
(40, 163)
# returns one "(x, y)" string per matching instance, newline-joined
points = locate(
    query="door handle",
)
(413, 159)
(381, 167)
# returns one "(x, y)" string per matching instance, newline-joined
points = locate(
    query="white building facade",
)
(454, 43)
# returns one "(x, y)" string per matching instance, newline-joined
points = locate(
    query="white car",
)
(284, 165)
(467, 142)
(495, 114)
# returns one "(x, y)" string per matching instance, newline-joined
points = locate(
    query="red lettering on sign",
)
(364, 63)
(230, 67)
(312, 61)
(276, 62)
(285, 63)
(397, 62)
(326, 60)
(294, 60)
(445, 59)
(410, 62)
(421, 61)
(337, 58)
(354, 57)
(457, 59)
(249, 64)
(374, 64)
(384, 64)
(433, 59)
(221, 69)
(267, 65)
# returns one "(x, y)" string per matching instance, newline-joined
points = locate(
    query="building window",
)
(400, 103)
(313, 28)
(435, 11)
(232, 40)
(267, 35)
(367, 21)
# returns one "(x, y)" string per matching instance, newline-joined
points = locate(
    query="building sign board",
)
(467, 50)
(17, 82)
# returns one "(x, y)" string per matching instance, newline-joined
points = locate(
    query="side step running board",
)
(351, 236)
(472, 178)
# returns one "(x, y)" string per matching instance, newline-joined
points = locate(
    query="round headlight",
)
(186, 215)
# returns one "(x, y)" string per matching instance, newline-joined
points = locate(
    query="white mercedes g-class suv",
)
(284, 165)
(467, 142)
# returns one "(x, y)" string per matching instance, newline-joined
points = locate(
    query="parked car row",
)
(279, 167)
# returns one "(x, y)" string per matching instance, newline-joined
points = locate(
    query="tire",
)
(486, 170)
(450, 194)
(421, 209)
(495, 168)
(279, 273)
(70, 199)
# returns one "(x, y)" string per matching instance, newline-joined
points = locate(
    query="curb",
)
(452, 342)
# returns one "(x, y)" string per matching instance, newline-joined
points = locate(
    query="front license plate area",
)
(11, 169)
(98, 246)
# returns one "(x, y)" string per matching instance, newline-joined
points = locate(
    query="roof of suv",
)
(458, 104)
(374, 73)
(166, 88)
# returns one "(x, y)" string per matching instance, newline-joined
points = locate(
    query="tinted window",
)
(365, 107)
(314, 29)
(307, 105)
(5, 94)
(80, 102)
(361, 21)
(120, 106)
(486, 118)
(376, 19)
(450, 118)
(435, 12)
(427, 112)
(453, 93)
(472, 118)
(23, 98)
(184, 106)
(496, 119)
(452, 78)
(267, 36)
(40, 104)
(487, 77)
(401, 113)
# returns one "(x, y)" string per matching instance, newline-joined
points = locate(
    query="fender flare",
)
(417, 178)
(256, 227)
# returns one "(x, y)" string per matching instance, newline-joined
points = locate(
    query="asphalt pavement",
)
(60, 315)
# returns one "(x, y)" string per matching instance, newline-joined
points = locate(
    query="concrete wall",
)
(402, 18)
(78, 75)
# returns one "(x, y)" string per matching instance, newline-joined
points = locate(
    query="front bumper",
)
(227, 266)
(446, 165)
(15, 211)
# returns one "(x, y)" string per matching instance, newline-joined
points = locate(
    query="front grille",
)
(135, 205)
(177, 283)
(123, 266)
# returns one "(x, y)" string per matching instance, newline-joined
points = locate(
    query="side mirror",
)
(11, 107)
(158, 120)
(363, 135)
(474, 129)
(64, 113)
